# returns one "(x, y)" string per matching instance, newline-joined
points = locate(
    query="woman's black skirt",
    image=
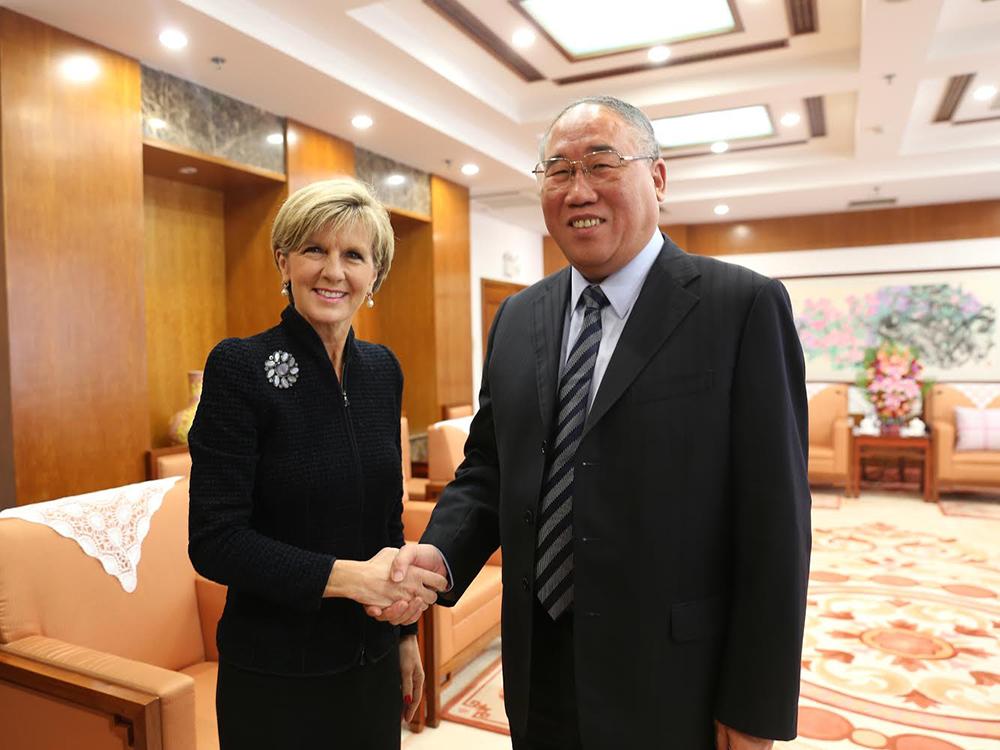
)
(357, 709)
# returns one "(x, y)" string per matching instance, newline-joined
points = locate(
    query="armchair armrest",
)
(943, 438)
(157, 703)
(211, 598)
(841, 443)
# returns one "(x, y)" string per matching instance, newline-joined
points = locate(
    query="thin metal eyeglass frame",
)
(539, 170)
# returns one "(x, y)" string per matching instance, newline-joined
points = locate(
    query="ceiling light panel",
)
(585, 28)
(707, 127)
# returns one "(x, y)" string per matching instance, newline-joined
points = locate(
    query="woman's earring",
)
(371, 301)
(285, 287)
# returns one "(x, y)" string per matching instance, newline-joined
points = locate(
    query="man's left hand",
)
(727, 738)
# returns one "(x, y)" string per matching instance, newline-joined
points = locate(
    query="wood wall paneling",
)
(73, 256)
(934, 223)
(405, 312)
(253, 284)
(452, 291)
(185, 256)
(8, 492)
(552, 257)
(313, 155)
(677, 232)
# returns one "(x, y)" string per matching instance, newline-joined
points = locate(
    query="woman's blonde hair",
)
(334, 205)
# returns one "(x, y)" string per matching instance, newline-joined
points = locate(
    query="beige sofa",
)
(957, 470)
(85, 665)
(829, 436)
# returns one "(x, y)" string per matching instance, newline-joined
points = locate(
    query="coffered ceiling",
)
(887, 101)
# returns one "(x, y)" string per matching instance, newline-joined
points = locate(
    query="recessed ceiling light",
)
(790, 119)
(275, 139)
(708, 127)
(395, 179)
(188, 170)
(658, 54)
(984, 93)
(523, 37)
(721, 210)
(173, 39)
(155, 123)
(571, 22)
(362, 122)
(80, 68)
(720, 147)
(470, 169)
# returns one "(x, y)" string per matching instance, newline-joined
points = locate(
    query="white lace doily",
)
(980, 394)
(109, 525)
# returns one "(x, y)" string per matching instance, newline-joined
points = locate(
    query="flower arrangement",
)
(890, 379)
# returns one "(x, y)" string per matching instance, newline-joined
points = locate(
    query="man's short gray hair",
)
(633, 117)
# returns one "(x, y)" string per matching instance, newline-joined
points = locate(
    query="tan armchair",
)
(829, 436)
(83, 664)
(174, 461)
(957, 470)
(414, 488)
(454, 636)
(445, 453)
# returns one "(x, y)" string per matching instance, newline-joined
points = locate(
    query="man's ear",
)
(660, 179)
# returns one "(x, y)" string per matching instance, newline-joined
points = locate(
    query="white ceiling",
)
(439, 99)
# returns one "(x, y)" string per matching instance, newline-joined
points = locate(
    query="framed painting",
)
(949, 317)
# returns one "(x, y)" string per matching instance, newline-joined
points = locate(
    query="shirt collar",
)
(623, 286)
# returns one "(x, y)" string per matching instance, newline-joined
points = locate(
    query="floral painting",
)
(948, 318)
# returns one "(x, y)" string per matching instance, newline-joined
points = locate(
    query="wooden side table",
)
(886, 446)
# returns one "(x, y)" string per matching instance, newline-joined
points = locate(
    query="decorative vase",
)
(180, 423)
(889, 428)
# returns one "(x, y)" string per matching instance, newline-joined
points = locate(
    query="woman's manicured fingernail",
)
(407, 699)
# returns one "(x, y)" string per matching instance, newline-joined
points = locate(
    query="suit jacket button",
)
(524, 582)
(528, 517)
(545, 446)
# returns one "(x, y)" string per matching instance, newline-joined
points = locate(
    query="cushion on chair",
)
(206, 726)
(473, 615)
(977, 429)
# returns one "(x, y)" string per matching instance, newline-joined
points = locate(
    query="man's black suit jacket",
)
(690, 506)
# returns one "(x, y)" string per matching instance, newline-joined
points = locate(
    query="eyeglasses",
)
(599, 167)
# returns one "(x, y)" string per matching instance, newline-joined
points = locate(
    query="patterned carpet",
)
(902, 647)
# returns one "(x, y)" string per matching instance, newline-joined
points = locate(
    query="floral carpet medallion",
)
(901, 650)
(896, 632)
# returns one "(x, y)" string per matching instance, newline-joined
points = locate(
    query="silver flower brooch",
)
(281, 369)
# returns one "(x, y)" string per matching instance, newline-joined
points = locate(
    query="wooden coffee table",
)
(890, 446)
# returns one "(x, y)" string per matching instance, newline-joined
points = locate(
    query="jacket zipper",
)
(357, 461)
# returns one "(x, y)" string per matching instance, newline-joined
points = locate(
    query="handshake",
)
(395, 586)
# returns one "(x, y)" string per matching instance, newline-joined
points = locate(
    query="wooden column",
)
(452, 292)
(73, 330)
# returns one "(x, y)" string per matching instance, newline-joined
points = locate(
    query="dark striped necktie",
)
(554, 556)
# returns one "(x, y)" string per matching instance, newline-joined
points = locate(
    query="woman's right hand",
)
(368, 582)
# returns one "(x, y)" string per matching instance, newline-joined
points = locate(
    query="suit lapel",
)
(662, 304)
(548, 314)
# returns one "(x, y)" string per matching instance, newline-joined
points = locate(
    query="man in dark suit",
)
(640, 454)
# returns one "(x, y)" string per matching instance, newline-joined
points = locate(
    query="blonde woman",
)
(296, 491)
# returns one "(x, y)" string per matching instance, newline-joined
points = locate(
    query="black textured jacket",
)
(284, 481)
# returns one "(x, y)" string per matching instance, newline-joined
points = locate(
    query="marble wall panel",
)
(208, 122)
(413, 194)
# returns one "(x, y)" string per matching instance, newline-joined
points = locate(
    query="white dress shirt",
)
(622, 290)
